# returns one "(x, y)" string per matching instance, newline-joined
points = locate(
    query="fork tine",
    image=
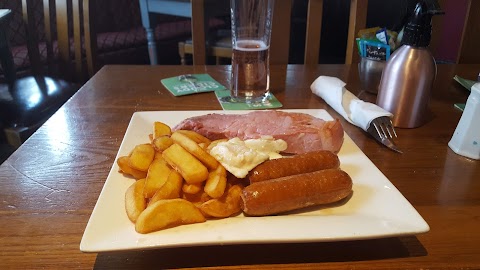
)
(386, 126)
(389, 126)
(393, 131)
(382, 129)
(378, 131)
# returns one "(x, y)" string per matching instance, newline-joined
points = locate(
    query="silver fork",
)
(383, 131)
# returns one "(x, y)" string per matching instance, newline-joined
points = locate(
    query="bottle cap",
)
(418, 30)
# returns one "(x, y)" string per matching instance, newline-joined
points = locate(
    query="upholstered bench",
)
(121, 38)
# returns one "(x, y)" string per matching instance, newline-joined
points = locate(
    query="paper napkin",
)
(354, 110)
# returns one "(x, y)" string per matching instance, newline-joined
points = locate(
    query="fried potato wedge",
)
(161, 143)
(158, 155)
(168, 213)
(135, 203)
(198, 138)
(216, 182)
(161, 129)
(193, 148)
(225, 206)
(191, 169)
(192, 188)
(197, 199)
(170, 190)
(157, 176)
(123, 164)
(141, 157)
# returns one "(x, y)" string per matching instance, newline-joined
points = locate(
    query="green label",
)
(191, 84)
(460, 106)
(464, 82)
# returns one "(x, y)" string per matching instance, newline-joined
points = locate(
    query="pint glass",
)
(251, 31)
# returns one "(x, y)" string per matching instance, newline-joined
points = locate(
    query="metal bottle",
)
(409, 74)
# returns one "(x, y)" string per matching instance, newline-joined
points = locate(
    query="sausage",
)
(302, 163)
(296, 191)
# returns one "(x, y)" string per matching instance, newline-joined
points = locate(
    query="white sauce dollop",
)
(239, 157)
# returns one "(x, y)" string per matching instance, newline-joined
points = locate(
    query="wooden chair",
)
(281, 25)
(70, 46)
(469, 51)
(200, 19)
(281, 33)
(469, 42)
(65, 34)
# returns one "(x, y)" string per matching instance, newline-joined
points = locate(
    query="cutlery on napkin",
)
(366, 115)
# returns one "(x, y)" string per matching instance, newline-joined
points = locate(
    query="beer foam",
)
(259, 45)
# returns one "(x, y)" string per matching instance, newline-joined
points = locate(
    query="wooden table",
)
(49, 186)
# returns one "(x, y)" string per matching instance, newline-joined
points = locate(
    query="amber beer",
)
(250, 71)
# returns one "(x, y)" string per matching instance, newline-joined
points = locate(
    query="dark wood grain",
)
(314, 32)
(357, 21)
(50, 185)
(469, 42)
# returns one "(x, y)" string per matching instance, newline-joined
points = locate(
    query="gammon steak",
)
(302, 132)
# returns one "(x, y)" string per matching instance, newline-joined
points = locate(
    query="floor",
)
(5, 151)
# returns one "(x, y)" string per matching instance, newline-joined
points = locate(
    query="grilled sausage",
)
(302, 163)
(296, 191)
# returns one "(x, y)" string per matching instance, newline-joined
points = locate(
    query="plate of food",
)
(362, 204)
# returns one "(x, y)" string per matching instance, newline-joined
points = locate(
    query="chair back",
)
(70, 39)
(469, 51)
(281, 31)
(198, 32)
(279, 48)
(279, 40)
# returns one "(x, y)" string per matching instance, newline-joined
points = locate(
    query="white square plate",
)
(376, 208)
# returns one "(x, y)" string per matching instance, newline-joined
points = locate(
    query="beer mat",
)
(460, 106)
(464, 82)
(467, 84)
(227, 103)
(191, 84)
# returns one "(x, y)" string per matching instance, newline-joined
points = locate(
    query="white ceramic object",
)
(466, 138)
(375, 210)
